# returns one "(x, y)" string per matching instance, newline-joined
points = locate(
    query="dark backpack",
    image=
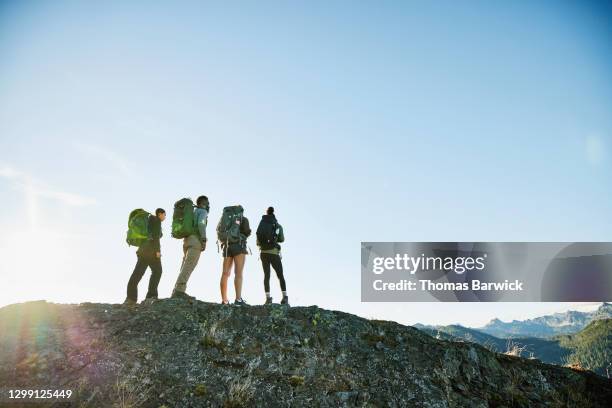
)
(183, 220)
(267, 235)
(228, 229)
(138, 227)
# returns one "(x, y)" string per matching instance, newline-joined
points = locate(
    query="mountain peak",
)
(605, 306)
(177, 353)
(494, 322)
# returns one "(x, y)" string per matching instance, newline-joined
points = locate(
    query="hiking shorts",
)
(234, 249)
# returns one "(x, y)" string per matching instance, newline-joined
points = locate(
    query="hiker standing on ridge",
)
(232, 232)
(269, 236)
(149, 255)
(194, 240)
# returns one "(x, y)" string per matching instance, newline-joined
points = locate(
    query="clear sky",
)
(358, 121)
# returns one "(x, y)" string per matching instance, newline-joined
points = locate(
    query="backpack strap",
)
(240, 229)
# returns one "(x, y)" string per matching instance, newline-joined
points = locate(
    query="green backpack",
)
(228, 229)
(138, 227)
(183, 220)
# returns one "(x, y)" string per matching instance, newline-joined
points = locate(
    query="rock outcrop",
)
(179, 354)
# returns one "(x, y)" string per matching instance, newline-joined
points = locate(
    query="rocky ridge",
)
(180, 354)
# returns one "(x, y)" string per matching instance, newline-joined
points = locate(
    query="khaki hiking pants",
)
(192, 248)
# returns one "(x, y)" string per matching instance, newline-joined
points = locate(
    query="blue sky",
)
(387, 121)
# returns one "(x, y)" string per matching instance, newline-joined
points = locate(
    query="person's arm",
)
(202, 220)
(155, 233)
(281, 234)
(245, 227)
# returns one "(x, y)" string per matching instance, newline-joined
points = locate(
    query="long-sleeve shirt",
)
(152, 245)
(245, 228)
(201, 219)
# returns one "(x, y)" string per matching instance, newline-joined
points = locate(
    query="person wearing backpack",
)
(232, 232)
(269, 236)
(193, 245)
(148, 256)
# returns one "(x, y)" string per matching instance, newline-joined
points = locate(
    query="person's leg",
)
(265, 263)
(225, 274)
(156, 272)
(192, 250)
(238, 268)
(277, 264)
(139, 270)
(184, 256)
(178, 278)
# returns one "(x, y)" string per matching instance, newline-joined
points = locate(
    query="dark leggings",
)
(141, 266)
(275, 261)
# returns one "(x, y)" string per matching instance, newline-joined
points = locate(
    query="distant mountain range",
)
(572, 338)
(547, 326)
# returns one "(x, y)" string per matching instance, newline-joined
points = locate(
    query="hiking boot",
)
(285, 301)
(240, 302)
(129, 302)
(268, 301)
(149, 300)
(225, 302)
(181, 295)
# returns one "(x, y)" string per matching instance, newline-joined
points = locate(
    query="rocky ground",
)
(179, 354)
